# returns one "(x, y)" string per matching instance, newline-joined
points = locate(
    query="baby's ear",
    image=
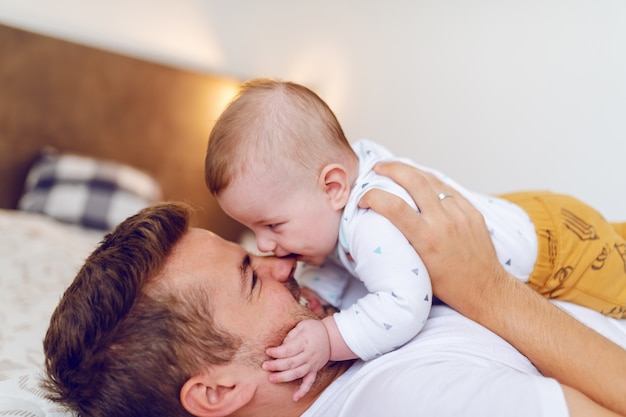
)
(204, 396)
(336, 184)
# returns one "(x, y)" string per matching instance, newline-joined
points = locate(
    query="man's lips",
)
(311, 303)
(314, 302)
(306, 300)
(314, 305)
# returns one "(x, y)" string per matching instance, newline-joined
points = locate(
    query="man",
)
(166, 320)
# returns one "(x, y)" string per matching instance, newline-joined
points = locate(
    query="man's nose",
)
(280, 269)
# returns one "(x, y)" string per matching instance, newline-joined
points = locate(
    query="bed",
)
(87, 137)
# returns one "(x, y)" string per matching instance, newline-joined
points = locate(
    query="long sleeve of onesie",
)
(399, 291)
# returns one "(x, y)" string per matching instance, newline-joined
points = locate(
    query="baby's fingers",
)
(289, 374)
(286, 350)
(305, 386)
(284, 364)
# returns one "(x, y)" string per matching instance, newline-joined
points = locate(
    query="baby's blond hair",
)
(273, 124)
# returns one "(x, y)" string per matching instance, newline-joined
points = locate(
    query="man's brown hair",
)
(122, 340)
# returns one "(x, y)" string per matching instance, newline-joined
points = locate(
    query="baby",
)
(279, 163)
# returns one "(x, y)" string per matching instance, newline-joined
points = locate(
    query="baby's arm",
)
(305, 350)
(399, 291)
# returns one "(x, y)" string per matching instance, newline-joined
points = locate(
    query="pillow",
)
(91, 192)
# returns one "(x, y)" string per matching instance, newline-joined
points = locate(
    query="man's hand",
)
(443, 230)
(305, 350)
(452, 240)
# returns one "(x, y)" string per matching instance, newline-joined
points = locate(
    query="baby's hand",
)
(305, 350)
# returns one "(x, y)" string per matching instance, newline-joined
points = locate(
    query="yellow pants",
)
(581, 257)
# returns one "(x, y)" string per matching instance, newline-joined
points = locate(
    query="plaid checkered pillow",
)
(91, 192)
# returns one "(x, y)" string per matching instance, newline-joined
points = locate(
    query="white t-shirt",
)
(453, 367)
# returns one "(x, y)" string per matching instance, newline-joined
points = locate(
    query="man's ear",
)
(205, 395)
(335, 182)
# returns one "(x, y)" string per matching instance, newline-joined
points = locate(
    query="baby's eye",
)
(273, 225)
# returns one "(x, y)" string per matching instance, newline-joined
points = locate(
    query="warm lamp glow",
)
(223, 96)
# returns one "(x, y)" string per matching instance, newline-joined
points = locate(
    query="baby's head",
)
(279, 162)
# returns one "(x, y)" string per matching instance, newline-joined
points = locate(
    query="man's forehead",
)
(196, 235)
(202, 259)
(197, 247)
(198, 230)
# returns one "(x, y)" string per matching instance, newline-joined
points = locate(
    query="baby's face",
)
(288, 218)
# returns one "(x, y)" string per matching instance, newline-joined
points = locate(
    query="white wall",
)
(500, 94)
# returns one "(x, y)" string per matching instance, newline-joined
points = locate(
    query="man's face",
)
(253, 297)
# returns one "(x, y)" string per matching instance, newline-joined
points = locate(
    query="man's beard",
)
(253, 351)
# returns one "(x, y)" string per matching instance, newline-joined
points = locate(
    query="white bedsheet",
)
(39, 258)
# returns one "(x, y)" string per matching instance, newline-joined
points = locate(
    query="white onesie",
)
(375, 252)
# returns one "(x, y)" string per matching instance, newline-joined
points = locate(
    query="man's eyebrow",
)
(245, 266)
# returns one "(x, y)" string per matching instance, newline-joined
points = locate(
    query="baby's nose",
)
(265, 244)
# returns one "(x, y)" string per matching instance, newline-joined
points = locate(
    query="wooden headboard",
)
(96, 103)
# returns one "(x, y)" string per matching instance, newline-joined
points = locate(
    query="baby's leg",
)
(620, 228)
(581, 256)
